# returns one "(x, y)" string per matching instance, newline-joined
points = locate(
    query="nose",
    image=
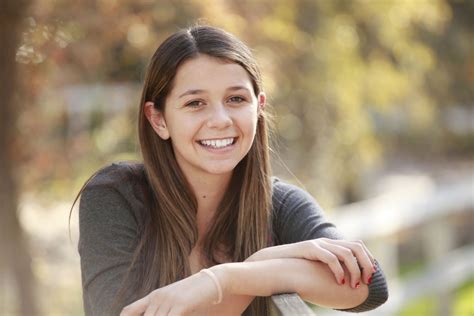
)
(219, 117)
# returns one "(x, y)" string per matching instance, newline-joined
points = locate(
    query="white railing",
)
(426, 210)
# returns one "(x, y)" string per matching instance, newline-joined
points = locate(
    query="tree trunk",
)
(14, 255)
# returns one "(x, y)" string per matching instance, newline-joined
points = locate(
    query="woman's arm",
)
(297, 217)
(313, 281)
(310, 250)
(298, 268)
(335, 253)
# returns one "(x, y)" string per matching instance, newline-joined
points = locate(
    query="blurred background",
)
(374, 117)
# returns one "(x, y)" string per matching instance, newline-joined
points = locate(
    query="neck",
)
(209, 191)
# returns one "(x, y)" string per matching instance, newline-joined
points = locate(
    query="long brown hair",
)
(241, 225)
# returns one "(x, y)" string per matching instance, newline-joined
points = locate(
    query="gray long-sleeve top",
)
(112, 206)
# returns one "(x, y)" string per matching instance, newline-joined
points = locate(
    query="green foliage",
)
(463, 303)
(352, 82)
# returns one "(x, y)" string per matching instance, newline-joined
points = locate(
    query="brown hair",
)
(242, 224)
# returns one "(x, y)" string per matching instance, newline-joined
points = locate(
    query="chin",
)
(221, 170)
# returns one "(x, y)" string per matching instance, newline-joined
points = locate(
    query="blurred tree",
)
(107, 44)
(451, 81)
(14, 258)
(352, 81)
(344, 74)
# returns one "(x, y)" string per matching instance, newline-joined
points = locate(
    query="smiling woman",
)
(200, 227)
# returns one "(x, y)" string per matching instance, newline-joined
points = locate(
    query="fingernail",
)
(357, 285)
(369, 280)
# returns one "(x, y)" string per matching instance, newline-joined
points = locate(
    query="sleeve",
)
(107, 240)
(298, 217)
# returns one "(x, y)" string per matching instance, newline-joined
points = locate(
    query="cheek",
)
(184, 129)
(249, 122)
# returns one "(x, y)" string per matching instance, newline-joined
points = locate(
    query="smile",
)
(218, 143)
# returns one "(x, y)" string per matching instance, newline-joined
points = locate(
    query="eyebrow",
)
(198, 91)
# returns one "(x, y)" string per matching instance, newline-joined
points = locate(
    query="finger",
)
(331, 260)
(346, 255)
(364, 258)
(373, 262)
(136, 308)
(163, 310)
(177, 311)
(152, 309)
(372, 258)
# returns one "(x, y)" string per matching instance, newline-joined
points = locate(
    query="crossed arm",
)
(314, 269)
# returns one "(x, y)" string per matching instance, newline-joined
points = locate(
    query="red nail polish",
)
(357, 285)
(370, 280)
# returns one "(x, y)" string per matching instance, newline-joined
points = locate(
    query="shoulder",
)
(116, 174)
(286, 194)
(297, 216)
(126, 178)
(114, 189)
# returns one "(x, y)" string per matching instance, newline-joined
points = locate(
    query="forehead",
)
(209, 73)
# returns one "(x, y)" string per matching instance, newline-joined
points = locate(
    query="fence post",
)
(438, 238)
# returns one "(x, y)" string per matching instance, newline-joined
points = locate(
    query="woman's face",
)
(210, 116)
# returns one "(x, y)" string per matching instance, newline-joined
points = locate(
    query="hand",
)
(354, 254)
(190, 296)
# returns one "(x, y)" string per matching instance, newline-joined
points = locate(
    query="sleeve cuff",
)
(378, 293)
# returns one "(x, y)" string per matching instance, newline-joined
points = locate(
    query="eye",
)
(195, 104)
(236, 99)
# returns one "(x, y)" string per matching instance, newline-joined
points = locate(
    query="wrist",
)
(223, 273)
(217, 284)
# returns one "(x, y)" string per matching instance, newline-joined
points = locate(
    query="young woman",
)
(201, 227)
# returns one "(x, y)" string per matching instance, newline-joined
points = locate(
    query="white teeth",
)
(219, 143)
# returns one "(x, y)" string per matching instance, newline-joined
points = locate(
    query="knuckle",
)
(333, 260)
(347, 252)
(315, 247)
(359, 248)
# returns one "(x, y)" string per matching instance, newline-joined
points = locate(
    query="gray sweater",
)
(111, 210)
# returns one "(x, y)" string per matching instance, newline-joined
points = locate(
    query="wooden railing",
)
(289, 305)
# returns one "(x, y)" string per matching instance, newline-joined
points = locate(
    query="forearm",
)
(235, 304)
(231, 305)
(312, 280)
(295, 250)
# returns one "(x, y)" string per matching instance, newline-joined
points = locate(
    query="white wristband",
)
(217, 283)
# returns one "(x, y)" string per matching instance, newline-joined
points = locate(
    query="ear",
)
(157, 120)
(262, 100)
